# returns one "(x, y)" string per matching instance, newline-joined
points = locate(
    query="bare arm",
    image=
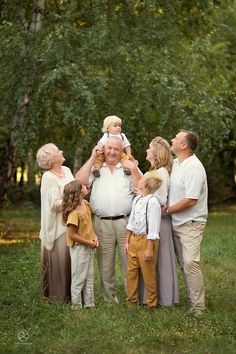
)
(183, 204)
(148, 254)
(126, 247)
(83, 174)
(128, 151)
(135, 173)
(71, 231)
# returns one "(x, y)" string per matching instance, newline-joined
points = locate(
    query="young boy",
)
(141, 243)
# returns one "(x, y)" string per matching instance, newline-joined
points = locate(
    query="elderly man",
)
(111, 200)
(188, 209)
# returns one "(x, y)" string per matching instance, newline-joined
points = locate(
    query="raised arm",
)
(136, 174)
(83, 174)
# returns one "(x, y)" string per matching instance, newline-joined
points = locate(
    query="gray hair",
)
(45, 156)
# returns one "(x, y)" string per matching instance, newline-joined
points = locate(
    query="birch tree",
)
(8, 158)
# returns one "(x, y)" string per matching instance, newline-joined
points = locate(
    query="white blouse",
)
(162, 192)
(51, 200)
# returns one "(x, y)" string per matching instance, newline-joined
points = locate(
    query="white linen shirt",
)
(111, 193)
(121, 136)
(137, 219)
(51, 206)
(188, 180)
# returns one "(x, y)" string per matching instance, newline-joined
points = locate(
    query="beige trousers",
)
(187, 239)
(111, 233)
(82, 276)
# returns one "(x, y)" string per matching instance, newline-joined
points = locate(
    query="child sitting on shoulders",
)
(76, 214)
(142, 237)
(112, 127)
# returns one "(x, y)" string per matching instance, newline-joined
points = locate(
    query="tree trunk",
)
(31, 172)
(77, 160)
(8, 158)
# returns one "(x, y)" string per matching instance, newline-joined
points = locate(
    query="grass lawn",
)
(112, 328)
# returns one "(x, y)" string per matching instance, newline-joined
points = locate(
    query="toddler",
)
(141, 243)
(76, 214)
(112, 127)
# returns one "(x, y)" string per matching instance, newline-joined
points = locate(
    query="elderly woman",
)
(161, 160)
(55, 258)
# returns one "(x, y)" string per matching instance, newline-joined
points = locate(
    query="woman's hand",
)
(136, 191)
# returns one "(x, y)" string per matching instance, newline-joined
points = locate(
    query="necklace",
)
(58, 174)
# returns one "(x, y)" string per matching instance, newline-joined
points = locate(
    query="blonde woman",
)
(161, 160)
(55, 257)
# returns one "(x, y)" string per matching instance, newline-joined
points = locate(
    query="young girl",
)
(112, 127)
(76, 214)
(142, 237)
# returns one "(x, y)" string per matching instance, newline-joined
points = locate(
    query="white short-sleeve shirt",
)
(111, 193)
(188, 180)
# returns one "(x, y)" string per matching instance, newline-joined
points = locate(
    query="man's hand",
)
(129, 164)
(132, 159)
(98, 149)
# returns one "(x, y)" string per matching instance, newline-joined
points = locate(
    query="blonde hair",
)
(153, 181)
(109, 121)
(71, 198)
(162, 154)
(45, 156)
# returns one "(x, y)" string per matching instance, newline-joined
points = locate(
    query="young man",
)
(188, 209)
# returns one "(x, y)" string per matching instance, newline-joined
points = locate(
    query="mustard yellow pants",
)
(136, 261)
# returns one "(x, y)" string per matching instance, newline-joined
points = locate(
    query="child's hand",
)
(92, 244)
(148, 254)
(126, 247)
(96, 240)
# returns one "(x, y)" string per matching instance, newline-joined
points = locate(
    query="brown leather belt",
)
(113, 217)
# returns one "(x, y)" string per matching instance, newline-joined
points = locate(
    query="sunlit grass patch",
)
(112, 328)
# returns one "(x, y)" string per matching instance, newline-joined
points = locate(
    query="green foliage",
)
(159, 65)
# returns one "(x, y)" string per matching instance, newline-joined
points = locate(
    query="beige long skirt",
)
(56, 271)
